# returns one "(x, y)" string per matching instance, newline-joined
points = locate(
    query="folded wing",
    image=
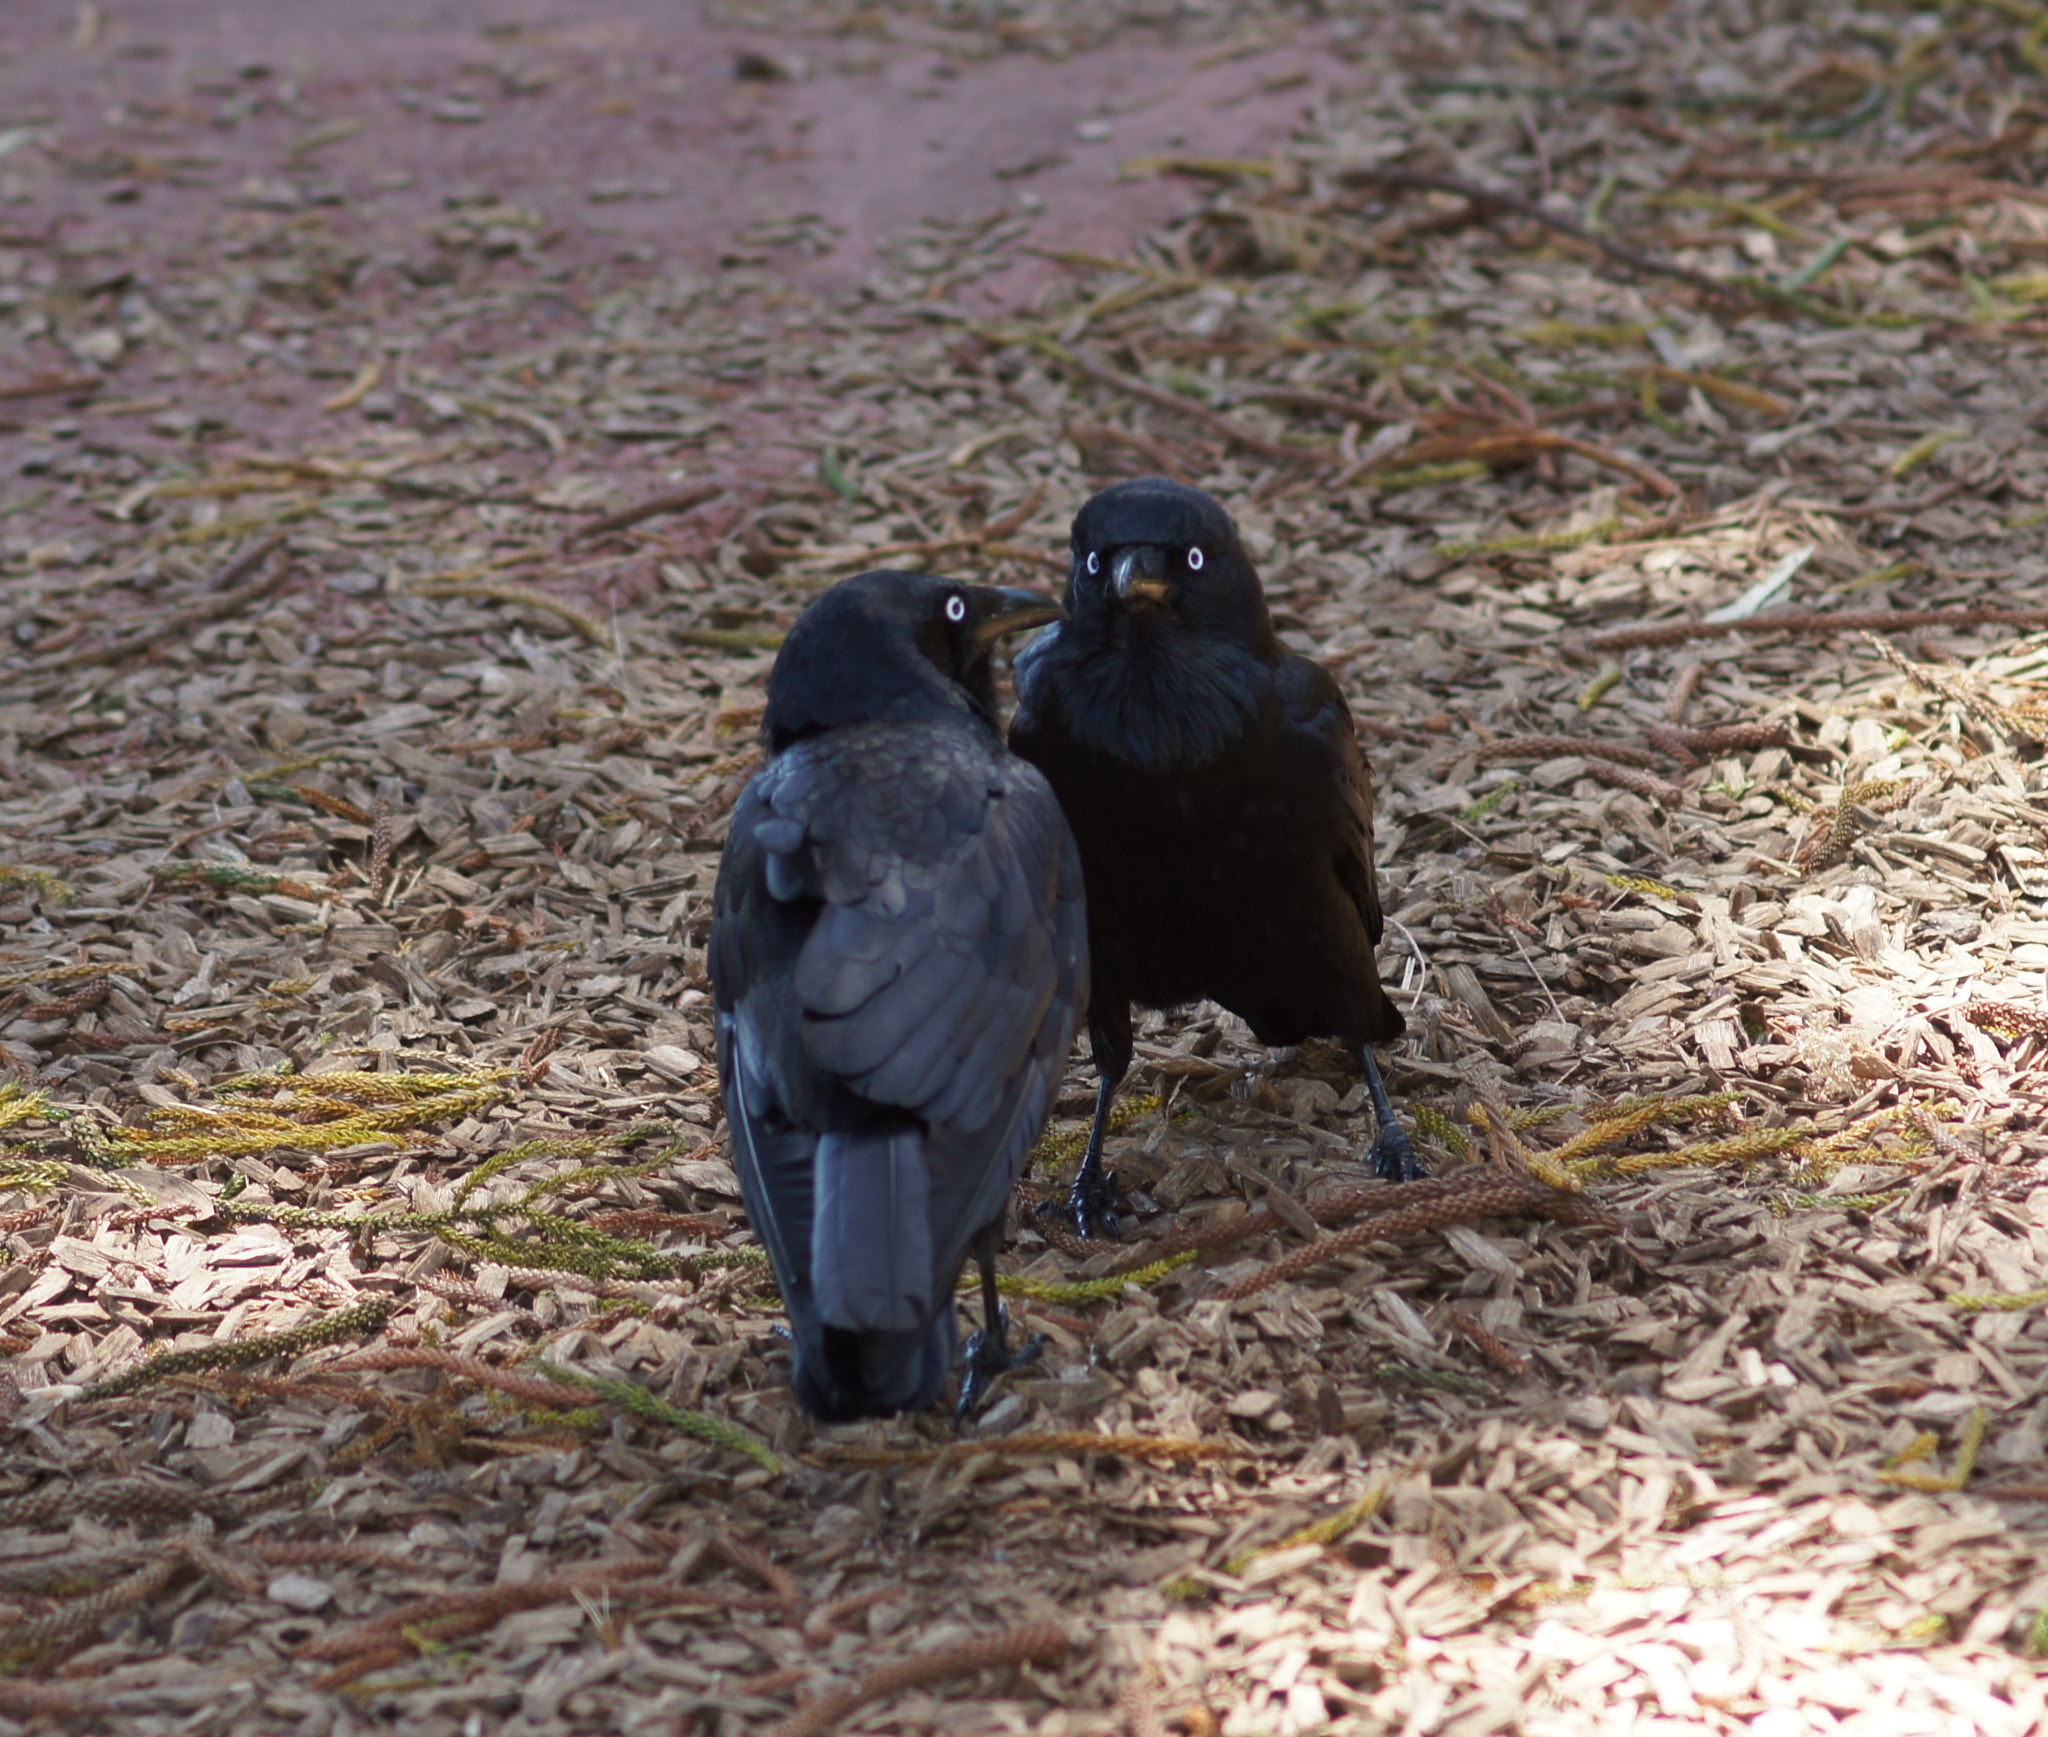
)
(900, 958)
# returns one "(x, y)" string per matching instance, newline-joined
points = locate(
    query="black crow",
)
(899, 960)
(1214, 783)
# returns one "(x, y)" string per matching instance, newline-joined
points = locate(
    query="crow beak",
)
(1138, 575)
(1005, 609)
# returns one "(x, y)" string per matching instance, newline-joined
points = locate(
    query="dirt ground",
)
(418, 424)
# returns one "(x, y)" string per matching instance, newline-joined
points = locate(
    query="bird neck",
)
(856, 681)
(1146, 690)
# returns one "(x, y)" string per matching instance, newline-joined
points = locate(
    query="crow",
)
(899, 960)
(1216, 789)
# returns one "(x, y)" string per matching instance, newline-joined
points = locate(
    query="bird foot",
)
(1393, 1159)
(1090, 1206)
(989, 1357)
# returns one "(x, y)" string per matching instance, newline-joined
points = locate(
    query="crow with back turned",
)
(1215, 786)
(899, 960)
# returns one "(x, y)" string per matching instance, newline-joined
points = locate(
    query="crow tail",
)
(883, 1339)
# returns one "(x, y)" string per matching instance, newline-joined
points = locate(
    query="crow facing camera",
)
(1217, 792)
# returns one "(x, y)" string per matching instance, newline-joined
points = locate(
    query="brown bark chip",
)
(420, 427)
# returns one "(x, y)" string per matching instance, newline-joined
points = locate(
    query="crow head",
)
(1157, 549)
(897, 647)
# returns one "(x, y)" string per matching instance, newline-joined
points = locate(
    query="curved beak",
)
(1000, 610)
(1137, 574)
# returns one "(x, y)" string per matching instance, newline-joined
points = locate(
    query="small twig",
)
(219, 1566)
(1959, 692)
(1340, 404)
(1502, 1356)
(79, 1617)
(48, 386)
(1138, 1700)
(829, 1618)
(364, 383)
(1153, 452)
(318, 1550)
(1180, 404)
(998, 528)
(1906, 509)
(1491, 1194)
(1039, 1644)
(367, 1316)
(1554, 747)
(1506, 443)
(627, 517)
(1683, 686)
(380, 849)
(30, 1701)
(246, 563)
(1542, 983)
(534, 1389)
(521, 596)
(1645, 784)
(1820, 621)
(1068, 1441)
(1491, 199)
(401, 1633)
(229, 597)
(1689, 747)
(751, 1559)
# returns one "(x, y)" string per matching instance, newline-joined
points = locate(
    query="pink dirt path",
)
(635, 98)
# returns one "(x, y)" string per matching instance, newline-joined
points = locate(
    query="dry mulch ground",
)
(388, 600)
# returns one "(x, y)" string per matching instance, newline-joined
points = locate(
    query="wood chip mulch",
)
(1646, 422)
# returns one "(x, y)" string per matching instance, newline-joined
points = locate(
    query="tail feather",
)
(842, 1375)
(872, 1265)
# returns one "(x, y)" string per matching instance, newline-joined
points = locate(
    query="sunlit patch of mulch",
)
(1645, 424)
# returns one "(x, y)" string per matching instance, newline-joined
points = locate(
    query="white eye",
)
(1094, 562)
(1194, 560)
(956, 609)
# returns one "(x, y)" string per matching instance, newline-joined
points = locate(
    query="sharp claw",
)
(1088, 1208)
(1091, 1204)
(988, 1357)
(1393, 1159)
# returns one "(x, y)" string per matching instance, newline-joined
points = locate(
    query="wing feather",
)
(1313, 706)
(900, 960)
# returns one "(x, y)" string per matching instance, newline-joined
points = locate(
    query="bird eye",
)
(1094, 562)
(1194, 560)
(956, 609)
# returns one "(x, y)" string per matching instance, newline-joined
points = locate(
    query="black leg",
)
(988, 1352)
(1091, 1202)
(1392, 1157)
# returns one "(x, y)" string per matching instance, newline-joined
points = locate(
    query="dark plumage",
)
(898, 956)
(1216, 789)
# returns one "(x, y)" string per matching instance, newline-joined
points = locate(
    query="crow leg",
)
(1392, 1157)
(988, 1352)
(1091, 1201)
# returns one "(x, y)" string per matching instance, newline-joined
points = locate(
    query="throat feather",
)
(1165, 705)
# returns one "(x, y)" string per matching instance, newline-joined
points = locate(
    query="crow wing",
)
(899, 956)
(1313, 711)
